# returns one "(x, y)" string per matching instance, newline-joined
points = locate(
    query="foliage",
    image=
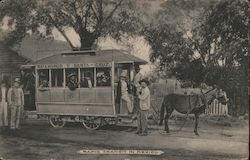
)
(223, 42)
(19, 18)
(168, 44)
(223, 36)
(215, 50)
(90, 19)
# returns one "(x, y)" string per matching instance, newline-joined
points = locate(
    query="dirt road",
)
(37, 140)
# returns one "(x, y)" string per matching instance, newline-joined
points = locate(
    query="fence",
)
(216, 108)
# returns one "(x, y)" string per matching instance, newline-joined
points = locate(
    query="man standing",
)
(16, 102)
(144, 97)
(138, 77)
(136, 82)
(3, 106)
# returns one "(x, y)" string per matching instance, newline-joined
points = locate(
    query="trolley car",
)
(81, 86)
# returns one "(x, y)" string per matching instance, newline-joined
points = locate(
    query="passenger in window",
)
(72, 81)
(106, 78)
(44, 84)
(86, 81)
(123, 92)
(100, 78)
(103, 78)
(42, 77)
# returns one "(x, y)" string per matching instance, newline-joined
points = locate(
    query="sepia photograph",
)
(124, 79)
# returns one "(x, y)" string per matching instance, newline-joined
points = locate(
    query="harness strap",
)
(189, 104)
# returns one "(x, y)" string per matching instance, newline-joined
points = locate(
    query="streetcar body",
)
(95, 73)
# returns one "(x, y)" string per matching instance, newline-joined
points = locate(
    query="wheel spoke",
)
(56, 122)
(92, 123)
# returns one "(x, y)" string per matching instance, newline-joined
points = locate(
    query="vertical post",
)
(50, 78)
(79, 78)
(64, 78)
(37, 78)
(113, 86)
(37, 85)
(95, 77)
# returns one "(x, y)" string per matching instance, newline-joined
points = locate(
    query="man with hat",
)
(72, 81)
(144, 97)
(136, 82)
(138, 77)
(16, 102)
(3, 106)
(122, 92)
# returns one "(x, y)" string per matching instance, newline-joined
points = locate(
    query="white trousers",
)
(3, 114)
(15, 117)
(127, 99)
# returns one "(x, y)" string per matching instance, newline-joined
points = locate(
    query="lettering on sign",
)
(134, 152)
(73, 65)
(47, 66)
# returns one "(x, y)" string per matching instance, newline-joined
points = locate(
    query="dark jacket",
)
(72, 85)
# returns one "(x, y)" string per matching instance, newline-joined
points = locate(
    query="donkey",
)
(189, 104)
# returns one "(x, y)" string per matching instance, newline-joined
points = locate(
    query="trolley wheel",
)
(56, 121)
(92, 123)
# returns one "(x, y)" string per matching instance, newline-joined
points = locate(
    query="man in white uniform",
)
(16, 102)
(144, 96)
(3, 106)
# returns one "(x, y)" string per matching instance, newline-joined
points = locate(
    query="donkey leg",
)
(196, 124)
(169, 112)
(162, 113)
(163, 109)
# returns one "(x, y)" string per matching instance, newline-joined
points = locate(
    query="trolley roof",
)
(118, 56)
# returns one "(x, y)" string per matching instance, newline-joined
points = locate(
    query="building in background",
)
(36, 48)
(10, 62)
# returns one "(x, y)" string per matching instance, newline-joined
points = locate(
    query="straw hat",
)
(17, 80)
(145, 81)
(71, 74)
(123, 74)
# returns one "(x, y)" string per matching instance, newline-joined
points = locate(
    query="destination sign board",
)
(73, 65)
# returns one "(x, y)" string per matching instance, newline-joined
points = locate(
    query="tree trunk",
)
(87, 42)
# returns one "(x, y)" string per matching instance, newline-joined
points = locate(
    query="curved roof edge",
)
(91, 56)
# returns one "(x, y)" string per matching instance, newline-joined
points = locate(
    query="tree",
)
(167, 44)
(90, 19)
(218, 44)
(177, 18)
(223, 44)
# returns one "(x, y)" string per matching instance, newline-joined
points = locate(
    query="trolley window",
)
(103, 77)
(56, 77)
(72, 76)
(43, 78)
(87, 78)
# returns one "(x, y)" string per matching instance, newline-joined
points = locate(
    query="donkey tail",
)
(162, 112)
